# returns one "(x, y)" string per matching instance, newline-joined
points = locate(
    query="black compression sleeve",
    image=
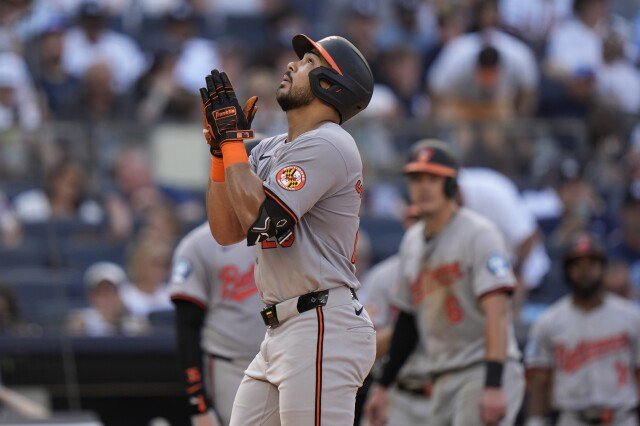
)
(403, 342)
(189, 320)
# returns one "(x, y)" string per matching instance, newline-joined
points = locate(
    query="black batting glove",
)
(223, 119)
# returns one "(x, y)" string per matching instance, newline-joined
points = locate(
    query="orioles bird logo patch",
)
(425, 155)
(291, 178)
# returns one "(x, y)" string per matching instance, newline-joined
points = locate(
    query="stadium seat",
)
(28, 254)
(60, 229)
(83, 255)
(45, 294)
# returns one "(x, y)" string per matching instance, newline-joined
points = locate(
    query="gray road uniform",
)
(310, 365)
(441, 283)
(409, 398)
(220, 279)
(594, 357)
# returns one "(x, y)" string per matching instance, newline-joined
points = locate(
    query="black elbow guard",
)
(272, 221)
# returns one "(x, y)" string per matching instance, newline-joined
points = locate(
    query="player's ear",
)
(324, 84)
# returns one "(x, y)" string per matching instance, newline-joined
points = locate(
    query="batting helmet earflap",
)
(436, 157)
(349, 77)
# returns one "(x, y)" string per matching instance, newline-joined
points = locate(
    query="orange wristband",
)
(216, 172)
(234, 153)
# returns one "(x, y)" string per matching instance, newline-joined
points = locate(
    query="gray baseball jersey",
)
(317, 178)
(378, 290)
(220, 279)
(593, 355)
(442, 281)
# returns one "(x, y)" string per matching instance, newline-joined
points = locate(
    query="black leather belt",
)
(601, 416)
(423, 391)
(305, 303)
(220, 357)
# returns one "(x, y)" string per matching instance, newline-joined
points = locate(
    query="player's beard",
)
(294, 98)
(587, 290)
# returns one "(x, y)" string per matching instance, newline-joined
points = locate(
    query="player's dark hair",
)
(489, 57)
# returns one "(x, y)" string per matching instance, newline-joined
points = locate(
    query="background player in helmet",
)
(217, 324)
(453, 296)
(298, 199)
(583, 354)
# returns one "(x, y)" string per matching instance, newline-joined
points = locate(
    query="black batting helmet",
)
(435, 157)
(583, 245)
(350, 77)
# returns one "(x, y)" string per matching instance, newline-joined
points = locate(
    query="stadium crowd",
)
(541, 100)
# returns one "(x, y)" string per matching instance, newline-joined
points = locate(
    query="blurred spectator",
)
(411, 25)
(18, 104)
(617, 280)
(11, 320)
(97, 98)
(106, 314)
(618, 81)
(480, 90)
(161, 224)
(159, 97)
(168, 90)
(627, 246)
(487, 73)
(135, 193)
(60, 89)
(90, 42)
(401, 71)
(196, 56)
(576, 44)
(485, 15)
(579, 208)
(494, 196)
(283, 24)
(574, 96)
(450, 25)
(148, 265)
(12, 29)
(359, 25)
(235, 7)
(133, 178)
(65, 196)
(10, 229)
(533, 20)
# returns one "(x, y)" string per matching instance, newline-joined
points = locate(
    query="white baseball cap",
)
(104, 271)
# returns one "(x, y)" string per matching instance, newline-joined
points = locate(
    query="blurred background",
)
(103, 164)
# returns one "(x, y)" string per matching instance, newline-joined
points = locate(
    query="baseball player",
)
(218, 328)
(297, 199)
(453, 297)
(409, 398)
(583, 354)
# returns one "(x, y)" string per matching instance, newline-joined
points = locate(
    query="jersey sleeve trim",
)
(507, 289)
(281, 203)
(190, 299)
